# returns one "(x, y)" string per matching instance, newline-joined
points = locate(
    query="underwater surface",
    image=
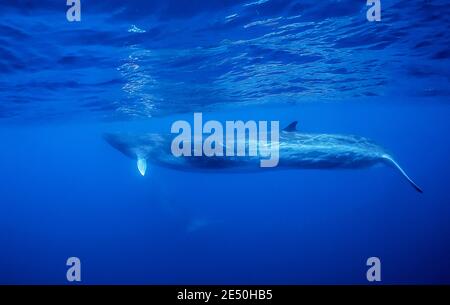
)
(138, 66)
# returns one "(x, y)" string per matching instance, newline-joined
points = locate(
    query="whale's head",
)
(139, 147)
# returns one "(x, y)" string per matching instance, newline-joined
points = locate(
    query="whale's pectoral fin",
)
(291, 127)
(397, 166)
(142, 165)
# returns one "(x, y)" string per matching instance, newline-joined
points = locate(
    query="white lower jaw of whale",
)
(142, 165)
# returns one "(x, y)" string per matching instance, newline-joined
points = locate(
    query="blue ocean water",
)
(141, 65)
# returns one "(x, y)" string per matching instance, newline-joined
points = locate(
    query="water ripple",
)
(127, 60)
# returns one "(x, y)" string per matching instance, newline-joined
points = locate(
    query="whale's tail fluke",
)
(392, 162)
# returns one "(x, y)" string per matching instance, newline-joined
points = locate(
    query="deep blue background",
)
(64, 192)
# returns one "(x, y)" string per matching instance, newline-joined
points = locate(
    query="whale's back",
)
(328, 151)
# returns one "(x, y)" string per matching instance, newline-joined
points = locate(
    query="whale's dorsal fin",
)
(291, 127)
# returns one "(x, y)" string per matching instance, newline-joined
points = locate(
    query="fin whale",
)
(297, 150)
